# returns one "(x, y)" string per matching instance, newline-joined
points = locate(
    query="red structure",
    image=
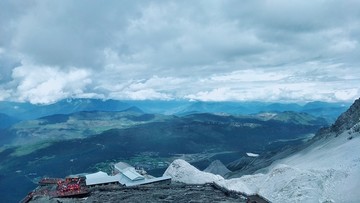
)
(58, 187)
(71, 187)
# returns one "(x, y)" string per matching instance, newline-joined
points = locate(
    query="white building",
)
(100, 178)
(128, 172)
(126, 176)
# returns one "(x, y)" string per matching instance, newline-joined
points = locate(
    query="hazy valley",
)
(93, 134)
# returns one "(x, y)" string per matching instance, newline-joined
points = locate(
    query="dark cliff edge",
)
(345, 121)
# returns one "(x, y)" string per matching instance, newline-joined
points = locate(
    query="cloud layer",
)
(200, 50)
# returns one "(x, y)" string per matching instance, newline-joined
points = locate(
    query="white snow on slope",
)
(327, 171)
(181, 171)
(252, 154)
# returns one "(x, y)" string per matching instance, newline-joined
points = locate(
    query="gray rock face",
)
(345, 121)
(218, 168)
(348, 119)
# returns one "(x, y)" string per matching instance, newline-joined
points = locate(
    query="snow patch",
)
(252, 154)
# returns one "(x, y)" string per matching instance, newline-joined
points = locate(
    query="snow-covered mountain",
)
(328, 170)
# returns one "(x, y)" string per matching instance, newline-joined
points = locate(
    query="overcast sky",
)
(208, 50)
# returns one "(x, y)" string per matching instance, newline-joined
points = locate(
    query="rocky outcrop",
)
(218, 168)
(181, 171)
(346, 121)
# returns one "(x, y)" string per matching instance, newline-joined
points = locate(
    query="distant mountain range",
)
(27, 111)
(87, 123)
(7, 121)
(75, 125)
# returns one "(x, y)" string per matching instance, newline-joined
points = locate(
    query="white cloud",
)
(4, 94)
(218, 94)
(346, 94)
(202, 50)
(143, 94)
(251, 75)
(48, 84)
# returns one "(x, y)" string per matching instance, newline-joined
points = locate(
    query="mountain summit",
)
(345, 121)
(348, 119)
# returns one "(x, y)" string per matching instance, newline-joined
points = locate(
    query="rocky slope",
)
(328, 170)
(174, 192)
(346, 121)
(218, 168)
